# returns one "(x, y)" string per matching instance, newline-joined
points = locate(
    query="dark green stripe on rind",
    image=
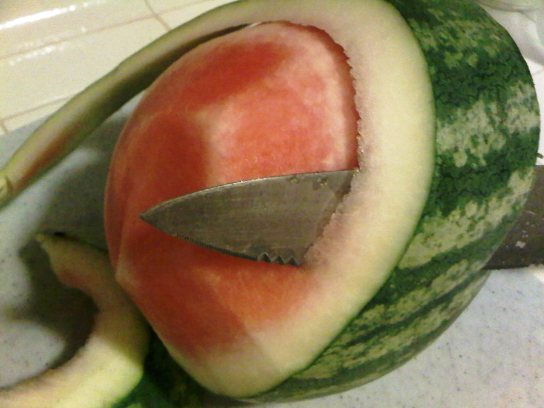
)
(487, 128)
(381, 352)
(412, 310)
(473, 60)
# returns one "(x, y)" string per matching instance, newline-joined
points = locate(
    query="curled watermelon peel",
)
(478, 110)
(121, 364)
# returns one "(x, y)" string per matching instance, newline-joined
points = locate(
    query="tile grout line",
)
(164, 23)
(3, 126)
(157, 16)
(98, 30)
(174, 8)
(34, 108)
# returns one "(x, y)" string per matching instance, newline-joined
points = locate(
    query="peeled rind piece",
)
(120, 365)
(110, 364)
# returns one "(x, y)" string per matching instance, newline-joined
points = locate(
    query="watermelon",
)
(447, 143)
(99, 375)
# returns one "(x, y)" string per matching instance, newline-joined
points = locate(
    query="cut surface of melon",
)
(111, 362)
(345, 268)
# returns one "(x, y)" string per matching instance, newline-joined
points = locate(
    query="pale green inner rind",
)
(110, 364)
(163, 385)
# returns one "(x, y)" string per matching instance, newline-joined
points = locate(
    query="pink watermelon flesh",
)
(268, 100)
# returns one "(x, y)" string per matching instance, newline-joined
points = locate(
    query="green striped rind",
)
(163, 385)
(486, 142)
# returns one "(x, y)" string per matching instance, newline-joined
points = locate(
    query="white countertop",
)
(492, 356)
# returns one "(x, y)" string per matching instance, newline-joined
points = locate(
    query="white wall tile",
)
(160, 6)
(57, 71)
(30, 24)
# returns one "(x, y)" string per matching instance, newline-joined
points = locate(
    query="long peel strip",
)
(63, 131)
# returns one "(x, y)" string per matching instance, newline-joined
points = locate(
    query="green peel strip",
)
(87, 110)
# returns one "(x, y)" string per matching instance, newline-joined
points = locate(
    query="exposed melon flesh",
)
(247, 105)
(237, 326)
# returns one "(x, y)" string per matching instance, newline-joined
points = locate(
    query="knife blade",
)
(273, 219)
(276, 219)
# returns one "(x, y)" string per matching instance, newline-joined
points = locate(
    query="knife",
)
(276, 219)
(273, 219)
